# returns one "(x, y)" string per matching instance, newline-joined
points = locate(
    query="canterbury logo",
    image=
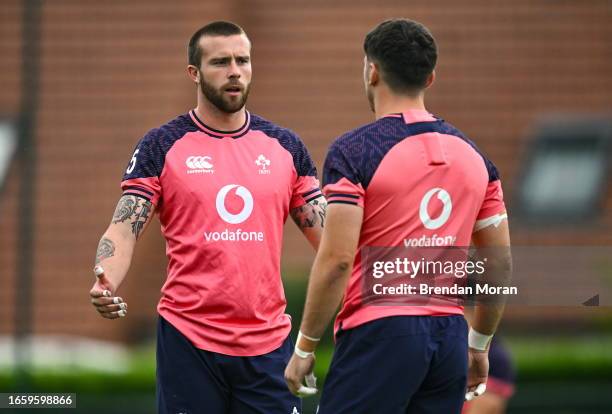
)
(241, 192)
(439, 221)
(199, 163)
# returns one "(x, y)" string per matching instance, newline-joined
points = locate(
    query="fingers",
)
(98, 293)
(293, 384)
(476, 391)
(113, 315)
(111, 308)
(297, 371)
(311, 380)
(304, 391)
(105, 300)
(297, 388)
(300, 389)
(310, 388)
(108, 307)
(293, 381)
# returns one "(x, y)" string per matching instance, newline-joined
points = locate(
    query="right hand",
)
(103, 299)
(298, 371)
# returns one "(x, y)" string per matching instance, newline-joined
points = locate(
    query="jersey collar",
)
(215, 133)
(413, 116)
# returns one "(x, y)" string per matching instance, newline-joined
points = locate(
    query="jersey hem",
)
(254, 351)
(360, 317)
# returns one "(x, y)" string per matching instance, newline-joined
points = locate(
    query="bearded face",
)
(229, 97)
(225, 72)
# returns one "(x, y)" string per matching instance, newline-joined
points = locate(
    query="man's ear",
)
(374, 74)
(193, 73)
(430, 79)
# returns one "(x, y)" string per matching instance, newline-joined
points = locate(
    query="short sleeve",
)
(306, 186)
(341, 179)
(493, 202)
(141, 176)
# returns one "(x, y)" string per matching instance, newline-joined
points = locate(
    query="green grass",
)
(562, 358)
(537, 359)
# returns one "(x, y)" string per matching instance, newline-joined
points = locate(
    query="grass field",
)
(558, 375)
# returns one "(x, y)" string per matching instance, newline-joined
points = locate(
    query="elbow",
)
(500, 269)
(343, 266)
(504, 262)
(340, 264)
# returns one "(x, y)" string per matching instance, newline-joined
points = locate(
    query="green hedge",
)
(541, 359)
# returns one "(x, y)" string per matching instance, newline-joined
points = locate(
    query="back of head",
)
(217, 28)
(405, 52)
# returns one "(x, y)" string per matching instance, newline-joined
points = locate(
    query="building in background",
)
(109, 72)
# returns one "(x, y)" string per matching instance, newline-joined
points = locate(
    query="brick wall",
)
(111, 72)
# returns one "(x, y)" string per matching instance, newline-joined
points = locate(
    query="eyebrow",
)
(228, 58)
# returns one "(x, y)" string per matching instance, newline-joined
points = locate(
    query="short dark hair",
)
(405, 51)
(218, 28)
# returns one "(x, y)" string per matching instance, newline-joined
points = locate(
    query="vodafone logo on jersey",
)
(434, 223)
(241, 192)
(236, 217)
(199, 164)
(445, 198)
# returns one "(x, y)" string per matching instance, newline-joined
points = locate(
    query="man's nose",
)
(234, 71)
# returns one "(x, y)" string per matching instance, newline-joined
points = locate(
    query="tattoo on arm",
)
(125, 209)
(141, 217)
(136, 210)
(106, 249)
(311, 214)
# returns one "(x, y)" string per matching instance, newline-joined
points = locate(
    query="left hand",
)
(299, 370)
(478, 373)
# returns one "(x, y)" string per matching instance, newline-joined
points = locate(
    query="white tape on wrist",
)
(301, 353)
(310, 338)
(478, 341)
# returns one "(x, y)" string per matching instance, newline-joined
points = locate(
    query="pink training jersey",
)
(222, 199)
(421, 182)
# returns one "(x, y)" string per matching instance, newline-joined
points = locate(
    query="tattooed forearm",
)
(106, 249)
(134, 209)
(141, 217)
(311, 214)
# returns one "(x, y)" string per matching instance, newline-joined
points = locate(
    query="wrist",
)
(306, 345)
(301, 353)
(478, 341)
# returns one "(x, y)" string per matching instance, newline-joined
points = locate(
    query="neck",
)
(217, 119)
(387, 103)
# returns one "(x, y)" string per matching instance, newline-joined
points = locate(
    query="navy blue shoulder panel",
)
(357, 154)
(150, 152)
(290, 142)
(448, 129)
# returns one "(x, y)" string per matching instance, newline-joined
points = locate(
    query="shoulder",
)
(290, 141)
(449, 129)
(169, 132)
(368, 134)
(272, 130)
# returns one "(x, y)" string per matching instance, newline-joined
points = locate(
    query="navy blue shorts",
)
(400, 364)
(194, 381)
